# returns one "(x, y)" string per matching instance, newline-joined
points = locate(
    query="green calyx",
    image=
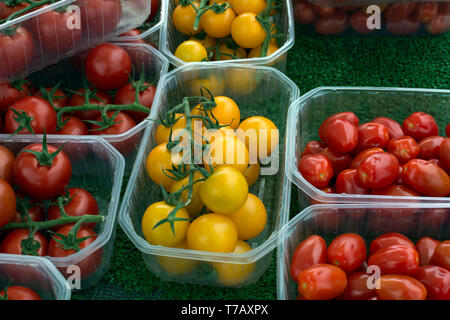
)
(23, 120)
(44, 158)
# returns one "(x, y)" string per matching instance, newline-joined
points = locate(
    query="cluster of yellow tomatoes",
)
(226, 29)
(221, 214)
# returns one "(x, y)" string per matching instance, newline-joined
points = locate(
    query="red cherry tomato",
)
(13, 243)
(444, 155)
(394, 128)
(7, 160)
(304, 13)
(36, 211)
(420, 125)
(313, 147)
(400, 287)
(439, 24)
(42, 181)
(311, 251)
(335, 24)
(340, 161)
(8, 201)
(16, 52)
(430, 147)
(108, 67)
(76, 203)
(407, 26)
(372, 135)
(389, 239)
(100, 98)
(396, 259)
(426, 246)
(377, 171)
(59, 98)
(404, 148)
(397, 12)
(347, 251)
(11, 92)
(73, 126)
(436, 280)
(133, 33)
(426, 11)
(341, 135)
(346, 183)
(396, 190)
(357, 288)
(441, 255)
(324, 11)
(8, 9)
(43, 116)
(349, 116)
(20, 293)
(100, 17)
(363, 155)
(322, 282)
(127, 95)
(358, 21)
(426, 178)
(316, 169)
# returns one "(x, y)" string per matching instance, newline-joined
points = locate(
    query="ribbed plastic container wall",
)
(46, 36)
(35, 273)
(98, 168)
(413, 220)
(308, 112)
(268, 94)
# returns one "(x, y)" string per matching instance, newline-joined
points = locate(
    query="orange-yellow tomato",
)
(247, 31)
(227, 53)
(177, 266)
(159, 160)
(183, 18)
(191, 51)
(254, 6)
(256, 52)
(163, 133)
(196, 204)
(251, 174)
(226, 112)
(218, 25)
(251, 218)
(226, 150)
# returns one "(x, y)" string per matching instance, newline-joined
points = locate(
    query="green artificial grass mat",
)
(314, 61)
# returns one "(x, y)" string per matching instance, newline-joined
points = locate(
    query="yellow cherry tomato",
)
(177, 266)
(247, 32)
(225, 190)
(208, 42)
(256, 52)
(226, 150)
(196, 204)
(159, 160)
(226, 112)
(183, 18)
(163, 235)
(227, 53)
(212, 232)
(234, 274)
(260, 134)
(163, 133)
(273, 39)
(251, 174)
(212, 82)
(217, 1)
(217, 25)
(191, 51)
(241, 81)
(253, 6)
(251, 218)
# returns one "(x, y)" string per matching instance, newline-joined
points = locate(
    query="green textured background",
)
(417, 62)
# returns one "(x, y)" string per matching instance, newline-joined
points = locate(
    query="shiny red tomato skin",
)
(358, 21)
(16, 52)
(20, 293)
(324, 11)
(316, 169)
(73, 126)
(101, 98)
(397, 12)
(347, 251)
(372, 135)
(82, 203)
(444, 155)
(396, 259)
(60, 100)
(313, 147)
(100, 17)
(357, 288)
(436, 280)
(426, 11)
(341, 135)
(8, 201)
(407, 26)
(42, 182)
(346, 183)
(7, 160)
(394, 128)
(400, 287)
(108, 67)
(43, 114)
(340, 161)
(363, 155)
(420, 125)
(441, 255)
(11, 244)
(439, 24)
(321, 282)
(378, 171)
(10, 94)
(389, 239)
(404, 149)
(311, 251)
(127, 95)
(430, 147)
(396, 190)
(335, 24)
(426, 178)
(349, 116)
(36, 212)
(304, 12)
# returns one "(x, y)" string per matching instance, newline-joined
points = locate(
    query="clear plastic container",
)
(270, 95)
(51, 35)
(414, 220)
(171, 38)
(98, 168)
(145, 59)
(35, 273)
(308, 112)
(363, 17)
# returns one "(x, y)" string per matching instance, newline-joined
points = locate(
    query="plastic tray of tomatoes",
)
(357, 245)
(31, 278)
(365, 18)
(66, 83)
(258, 91)
(46, 33)
(308, 113)
(82, 176)
(282, 26)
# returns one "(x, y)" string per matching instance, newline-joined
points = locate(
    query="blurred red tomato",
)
(426, 246)
(426, 177)
(322, 282)
(335, 24)
(357, 288)
(377, 171)
(347, 251)
(400, 287)
(388, 239)
(371, 135)
(313, 147)
(404, 149)
(346, 183)
(441, 255)
(420, 125)
(316, 169)
(311, 251)
(395, 259)
(436, 280)
(395, 129)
